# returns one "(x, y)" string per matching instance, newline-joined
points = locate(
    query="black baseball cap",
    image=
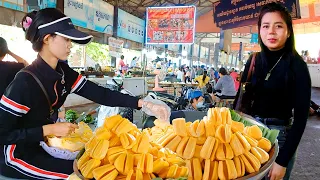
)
(65, 28)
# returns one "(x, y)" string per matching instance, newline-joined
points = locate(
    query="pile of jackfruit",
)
(215, 147)
(74, 141)
(118, 150)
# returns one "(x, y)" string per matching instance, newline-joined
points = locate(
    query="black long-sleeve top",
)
(24, 108)
(287, 89)
(8, 71)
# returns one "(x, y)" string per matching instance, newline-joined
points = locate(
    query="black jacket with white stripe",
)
(24, 108)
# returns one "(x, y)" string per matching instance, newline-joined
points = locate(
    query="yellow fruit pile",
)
(216, 147)
(118, 150)
(73, 142)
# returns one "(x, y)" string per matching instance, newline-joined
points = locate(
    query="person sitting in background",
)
(235, 75)
(211, 74)
(196, 101)
(133, 62)
(188, 75)
(226, 85)
(121, 64)
(202, 80)
(8, 69)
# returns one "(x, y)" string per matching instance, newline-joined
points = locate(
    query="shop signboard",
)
(96, 15)
(170, 25)
(237, 13)
(130, 27)
(115, 47)
(28, 5)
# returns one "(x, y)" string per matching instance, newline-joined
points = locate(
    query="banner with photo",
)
(169, 25)
(96, 15)
(28, 5)
(130, 27)
(229, 14)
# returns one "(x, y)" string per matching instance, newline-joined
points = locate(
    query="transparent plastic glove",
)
(157, 108)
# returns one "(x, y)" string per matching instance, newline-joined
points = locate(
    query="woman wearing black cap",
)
(281, 83)
(27, 104)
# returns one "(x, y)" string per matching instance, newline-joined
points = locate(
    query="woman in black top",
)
(25, 109)
(281, 83)
(8, 69)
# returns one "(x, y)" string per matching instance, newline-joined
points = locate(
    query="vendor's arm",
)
(302, 98)
(94, 92)
(15, 104)
(103, 95)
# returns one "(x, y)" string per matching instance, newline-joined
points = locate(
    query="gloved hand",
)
(157, 108)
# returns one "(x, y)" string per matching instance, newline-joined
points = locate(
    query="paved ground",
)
(307, 166)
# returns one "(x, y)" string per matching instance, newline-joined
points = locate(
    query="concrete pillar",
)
(191, 55)
(199, 53)
(208, 55)
(216, 55)
(60, 5)
(115, 32)
(180, 54)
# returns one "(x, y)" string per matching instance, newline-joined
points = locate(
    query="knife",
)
(84, 114)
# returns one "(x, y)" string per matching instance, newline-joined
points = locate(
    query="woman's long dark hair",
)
(284, 13)
(204, 76)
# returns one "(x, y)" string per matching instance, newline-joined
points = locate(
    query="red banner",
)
(167, 25)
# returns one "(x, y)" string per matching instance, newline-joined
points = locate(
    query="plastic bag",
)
(104, 112)
(157, 108)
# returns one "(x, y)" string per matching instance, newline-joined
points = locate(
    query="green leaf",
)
(71, 116)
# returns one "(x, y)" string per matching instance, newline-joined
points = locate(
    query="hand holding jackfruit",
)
(73, 142)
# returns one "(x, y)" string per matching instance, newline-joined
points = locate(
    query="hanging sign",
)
(169, 25)
(231, 14)
(115, 47)
(96, 15)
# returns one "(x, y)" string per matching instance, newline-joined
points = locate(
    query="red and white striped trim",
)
(14, 105)
(18, 163)
(78, 84)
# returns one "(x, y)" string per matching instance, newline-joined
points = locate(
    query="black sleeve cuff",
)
(133, 102)
(35, 134)
(282, 161)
